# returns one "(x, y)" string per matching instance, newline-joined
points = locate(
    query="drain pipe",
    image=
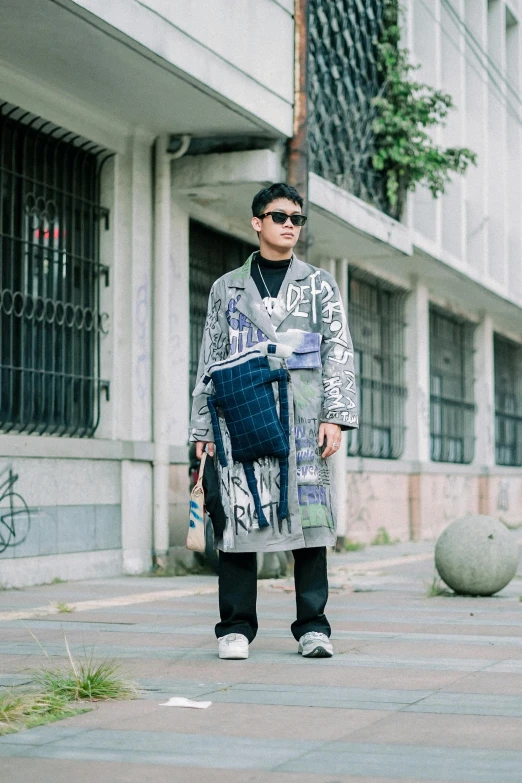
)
(161, 383)
(167, 148)
(298, 152)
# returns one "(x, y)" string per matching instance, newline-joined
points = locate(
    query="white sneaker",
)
(315, 645)
(233, 646)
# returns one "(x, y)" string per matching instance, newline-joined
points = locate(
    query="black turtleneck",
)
(273, 274)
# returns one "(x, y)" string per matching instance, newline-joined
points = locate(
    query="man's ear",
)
(256, 224)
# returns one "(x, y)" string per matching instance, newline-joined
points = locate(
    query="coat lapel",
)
(249, 302)
(288, 295)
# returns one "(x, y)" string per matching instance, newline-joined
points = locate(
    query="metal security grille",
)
(377, 327)
(508, 401)
(50, 277)
(211, 255)
(343, 80)
(452, 410)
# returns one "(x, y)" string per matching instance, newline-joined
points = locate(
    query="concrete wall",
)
(240, 51)
(375, 500)
(57, 511)
(95, 496)
(419, 506)
(475, 227)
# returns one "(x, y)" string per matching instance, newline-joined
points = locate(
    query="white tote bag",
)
(196, 530)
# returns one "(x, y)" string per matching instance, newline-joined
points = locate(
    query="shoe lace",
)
(232, 637)
(314, 635)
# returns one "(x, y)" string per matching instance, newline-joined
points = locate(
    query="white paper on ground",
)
(180, 701)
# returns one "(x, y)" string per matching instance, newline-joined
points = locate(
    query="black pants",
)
(238, 593)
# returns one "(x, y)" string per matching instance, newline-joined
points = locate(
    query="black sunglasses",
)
(282, 217)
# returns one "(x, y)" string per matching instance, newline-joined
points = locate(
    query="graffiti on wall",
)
(361, 505)
(15, 517)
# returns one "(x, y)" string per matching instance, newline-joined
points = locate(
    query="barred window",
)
(211, 255)
(49, 276)
(452, 410)
(344, 78)
(508, 401)
(377, 327)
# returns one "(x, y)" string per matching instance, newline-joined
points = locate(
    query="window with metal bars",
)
(508, 401)
(376, 311)
(343, 80)
(211, 255)
(452, 409)
(50, 274)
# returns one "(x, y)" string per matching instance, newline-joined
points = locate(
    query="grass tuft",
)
(353, 546)
(437, 587)
(27, 710)
(57, 693)
(86, 682)
(65, 607)
(383, 538)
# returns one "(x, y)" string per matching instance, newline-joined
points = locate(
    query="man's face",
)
(281, 236)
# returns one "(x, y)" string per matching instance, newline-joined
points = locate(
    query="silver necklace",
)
(269, 300)
(263, 279)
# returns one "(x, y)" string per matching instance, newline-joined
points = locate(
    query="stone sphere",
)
(476, 555)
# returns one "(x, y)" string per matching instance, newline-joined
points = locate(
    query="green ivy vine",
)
(405, 152)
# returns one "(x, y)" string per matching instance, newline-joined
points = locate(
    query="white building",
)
(133, 136)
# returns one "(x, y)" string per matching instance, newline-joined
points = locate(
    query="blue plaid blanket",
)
(244, 393)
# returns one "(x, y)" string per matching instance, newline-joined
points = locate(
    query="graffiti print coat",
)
(309, 316)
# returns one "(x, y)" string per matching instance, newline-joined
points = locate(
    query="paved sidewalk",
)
(421, 689)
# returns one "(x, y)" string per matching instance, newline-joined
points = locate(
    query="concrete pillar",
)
(162, 378)
(484, 394)
(141, 289)
(417, 444)
(179, 325)
(134, 350)
(485, 407)
(179, 365)
(136, 512)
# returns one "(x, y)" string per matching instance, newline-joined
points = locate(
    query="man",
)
(278, 298)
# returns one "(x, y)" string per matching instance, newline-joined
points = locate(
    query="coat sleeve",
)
(339, 404)
(214, 347)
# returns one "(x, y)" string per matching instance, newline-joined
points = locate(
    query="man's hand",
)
(332, 434)
(200, 448)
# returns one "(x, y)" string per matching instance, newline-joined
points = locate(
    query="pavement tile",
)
(438, 628)
(179, 749)
(405, 647)
(469, 704)
(24, 770)
(476, 731)
(419, 763)
(488, 682)
(256, 721)
(105, 714)
(41, 735)
(419, 690)
(356, 676)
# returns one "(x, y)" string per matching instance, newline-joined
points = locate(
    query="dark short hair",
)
(277, 190)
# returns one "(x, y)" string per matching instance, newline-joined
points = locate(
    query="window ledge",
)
(49, 447)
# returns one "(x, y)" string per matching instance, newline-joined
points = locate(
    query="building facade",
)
(132, 141)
